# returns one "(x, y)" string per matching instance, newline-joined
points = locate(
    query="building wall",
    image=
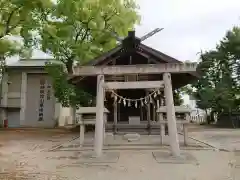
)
(13, 98)
(29, 101)
(14, 89)
(191, 102)
(40, 102)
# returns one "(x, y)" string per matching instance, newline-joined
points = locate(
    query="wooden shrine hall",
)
(132, 81)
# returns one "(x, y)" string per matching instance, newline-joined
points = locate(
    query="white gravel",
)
(24, 158)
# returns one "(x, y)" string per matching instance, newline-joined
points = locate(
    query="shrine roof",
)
(153, 53)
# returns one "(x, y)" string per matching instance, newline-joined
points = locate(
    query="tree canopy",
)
(76, 31)
(219, 86)
(18, 19)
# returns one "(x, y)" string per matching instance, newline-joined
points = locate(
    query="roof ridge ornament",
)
(131, 42)
(132, 34)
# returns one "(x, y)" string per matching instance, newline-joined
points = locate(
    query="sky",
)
(189, 25)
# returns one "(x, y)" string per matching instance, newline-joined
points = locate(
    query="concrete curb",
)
(35, 130)
(60, 145)
(131, 149)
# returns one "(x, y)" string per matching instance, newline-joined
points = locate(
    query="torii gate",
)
(166, 83)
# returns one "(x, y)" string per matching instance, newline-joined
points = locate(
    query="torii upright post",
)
(171, 117)
(98, 139)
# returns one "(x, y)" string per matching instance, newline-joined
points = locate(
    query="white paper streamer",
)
(151, 101)
(136, 105)
(115, 99)
(124, 102)
(145, 100)
(155, 95)
(129, 103)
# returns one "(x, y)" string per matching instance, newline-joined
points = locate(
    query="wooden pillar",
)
(162, 126)
(158, 104)
(148, 115)
(162, 132)
(154, 111)
(185, 130)
(98, 139)
(141, 113)
(115, 115)
(115, 106)
(104, 124)
(171, 117)
(82, 130)
(118, 112)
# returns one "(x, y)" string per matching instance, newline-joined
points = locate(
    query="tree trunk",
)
(69, 66)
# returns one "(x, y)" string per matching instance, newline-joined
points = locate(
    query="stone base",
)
(166, 157)
(107, 157)
(131, 137)
(237, 159)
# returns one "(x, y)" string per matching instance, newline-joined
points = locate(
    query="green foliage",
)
(76, 31)
(19, 18)
(178, 101)
(18, 21)
(220, 69)
(79, 30)
(66, 93)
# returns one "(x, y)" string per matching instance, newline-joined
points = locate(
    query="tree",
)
(177, 97)
(217, 88)
(79, 30)
(18, 18)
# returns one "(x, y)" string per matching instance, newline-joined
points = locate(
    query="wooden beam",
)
(136, 69)
(134, 85)
(178, 109)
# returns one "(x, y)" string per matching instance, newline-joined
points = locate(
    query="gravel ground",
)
(24, 155)
(228, 139)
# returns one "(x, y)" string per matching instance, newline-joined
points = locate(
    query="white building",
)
(28, 99)
(191, 102)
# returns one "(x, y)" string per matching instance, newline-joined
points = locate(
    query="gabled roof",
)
(146, 49)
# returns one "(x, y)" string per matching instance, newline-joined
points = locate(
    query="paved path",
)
(228, 139)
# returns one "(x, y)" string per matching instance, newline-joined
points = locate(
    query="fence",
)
(198, 119)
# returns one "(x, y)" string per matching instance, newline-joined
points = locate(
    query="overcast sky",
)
(189, 25)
